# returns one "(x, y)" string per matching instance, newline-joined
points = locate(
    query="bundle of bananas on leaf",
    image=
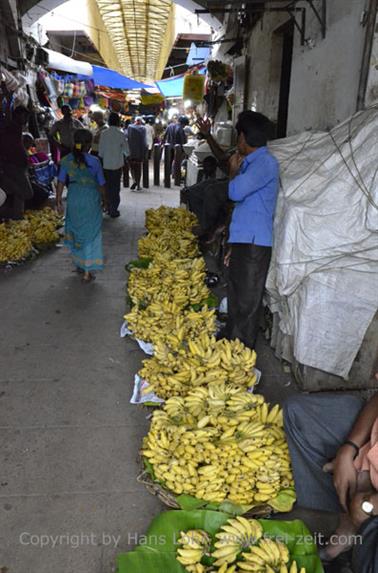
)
(175, 218)
(181, 281)
(220, 443)
(240, 546)
(183, 363)
(165, 322)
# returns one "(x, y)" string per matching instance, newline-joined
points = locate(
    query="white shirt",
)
(149, 135)
(112, 148)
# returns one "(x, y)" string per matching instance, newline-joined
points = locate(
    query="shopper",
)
(99, 119)
(112, 149)
(337, 434)
(150, 134)
(82, 173)
(62, 132)
(14, 179)
(137, 140)
(254, 183)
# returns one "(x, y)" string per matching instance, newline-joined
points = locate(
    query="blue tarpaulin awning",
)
(174, 87)
(111, 79)
(197, 55)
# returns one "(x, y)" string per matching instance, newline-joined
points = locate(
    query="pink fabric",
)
(367, 459)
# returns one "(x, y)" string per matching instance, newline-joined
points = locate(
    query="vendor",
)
(253, 187)
(62, 132)
(14, 179)
(333, 443)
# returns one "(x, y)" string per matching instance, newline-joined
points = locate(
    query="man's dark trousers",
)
(113, 189)
(249, 265)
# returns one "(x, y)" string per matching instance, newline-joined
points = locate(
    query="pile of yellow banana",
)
(185, 362)
(177, 219)
(169, 232)
(240, 546)
(220, 443)
(181, 281)
(43, 226)
(38, 228)
(168, 323)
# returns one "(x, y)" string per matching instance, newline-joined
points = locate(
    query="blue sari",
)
(83, 225)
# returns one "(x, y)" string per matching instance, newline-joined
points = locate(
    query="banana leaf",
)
(282, 503)
(157, 549)
(211, 301)
(142, 263)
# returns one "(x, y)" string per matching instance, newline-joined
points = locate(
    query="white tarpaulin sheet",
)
(323, 280)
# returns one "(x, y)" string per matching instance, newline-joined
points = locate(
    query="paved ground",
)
(69, 438)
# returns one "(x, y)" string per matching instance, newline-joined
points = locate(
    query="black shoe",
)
(133, 187)
(115, 215)
(139, 188)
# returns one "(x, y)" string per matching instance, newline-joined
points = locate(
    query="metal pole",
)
(157, 158)
(146, 171)
(167, 165)
(177, 164)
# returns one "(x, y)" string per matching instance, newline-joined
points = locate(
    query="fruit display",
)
(220, 443)
(185, 362)
(180, 281)
(168, 323)
(37, 229)
(240, 545)
(169, 232)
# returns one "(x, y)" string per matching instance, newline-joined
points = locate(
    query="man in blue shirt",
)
(254, 175)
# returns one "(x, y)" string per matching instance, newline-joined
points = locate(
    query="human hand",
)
(204, 125)
(344, 474)
(59, 206)
(227, 257)
(234, 163)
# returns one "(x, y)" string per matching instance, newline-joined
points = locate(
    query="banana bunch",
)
(165, 322)
(181, 281)
(172, 242)
(43, 226)
(200, 445)
(15, 241)
(195, 544)
(183, 363)
(240, 546)
(176, 219)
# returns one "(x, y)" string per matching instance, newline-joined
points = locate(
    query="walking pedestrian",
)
(137, 139)
(62, 132)
(99, 120)
(83, 175)
(150, 134)
(112, 150)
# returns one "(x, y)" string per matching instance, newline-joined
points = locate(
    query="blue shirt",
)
(93, 164)
(254, 191)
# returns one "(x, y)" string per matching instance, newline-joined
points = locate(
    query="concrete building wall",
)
(325, 72)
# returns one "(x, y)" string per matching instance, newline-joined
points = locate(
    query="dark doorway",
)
(287, 33)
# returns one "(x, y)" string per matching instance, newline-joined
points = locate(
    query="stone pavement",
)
(69, 439)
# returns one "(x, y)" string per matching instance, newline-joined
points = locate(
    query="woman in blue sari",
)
(83, 175)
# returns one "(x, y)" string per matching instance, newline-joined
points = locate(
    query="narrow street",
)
(69, 497)
(68, 435)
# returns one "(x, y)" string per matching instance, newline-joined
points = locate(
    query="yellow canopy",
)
(142, 34)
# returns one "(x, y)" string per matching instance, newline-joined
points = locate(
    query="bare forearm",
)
(216, 149)
(59, 192)
(362, 428)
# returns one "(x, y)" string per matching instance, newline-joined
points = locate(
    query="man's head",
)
(20, 115)
(66, 111)
(254, 129)
(183, 120)
(98, 118)
(210, 165)
(138, 120)
(114, 119)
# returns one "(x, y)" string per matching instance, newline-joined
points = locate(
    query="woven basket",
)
(169, 499)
